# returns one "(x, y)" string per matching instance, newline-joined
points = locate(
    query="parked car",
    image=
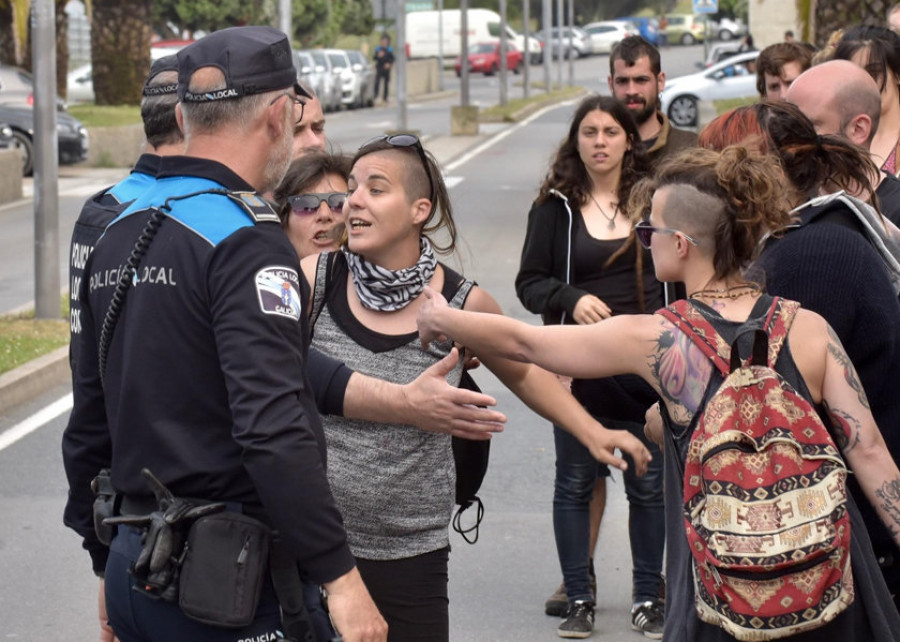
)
(720, 51)
(324, 77)
(572, 41)
(80, 85)
(6, 136)
(321, 82)
(605, 35)
(17, 88)
(685, 28)
(728, 29)
(365, 76)
(484, 57)
(343, 71)
(647, 27)
(72, 135)
(734, 77)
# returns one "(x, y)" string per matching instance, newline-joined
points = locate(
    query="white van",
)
(484, 26)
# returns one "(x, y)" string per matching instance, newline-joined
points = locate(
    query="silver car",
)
(734, 77)
(343, 72)
(365, 76)
(323, 81)
(574, 41)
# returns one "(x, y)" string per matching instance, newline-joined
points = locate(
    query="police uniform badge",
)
(278, 289)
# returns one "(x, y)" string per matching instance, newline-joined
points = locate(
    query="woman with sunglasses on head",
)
(706, 213)
(581, 264)
(394, 484)
(310, 201)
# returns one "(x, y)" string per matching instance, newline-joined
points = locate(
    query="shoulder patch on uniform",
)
(255, 206)
(278, 289)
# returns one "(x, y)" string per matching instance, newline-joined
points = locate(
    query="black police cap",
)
(166, 63)
(253, 59)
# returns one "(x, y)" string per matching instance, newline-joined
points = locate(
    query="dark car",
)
(72, 135)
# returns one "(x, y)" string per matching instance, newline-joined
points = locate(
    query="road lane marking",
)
(465, 158)
(35, 421)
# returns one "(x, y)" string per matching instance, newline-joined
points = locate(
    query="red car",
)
(484, 57)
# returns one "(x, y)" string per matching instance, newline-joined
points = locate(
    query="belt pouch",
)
(224, 568)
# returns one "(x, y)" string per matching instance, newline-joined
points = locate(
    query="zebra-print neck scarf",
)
(388, 290)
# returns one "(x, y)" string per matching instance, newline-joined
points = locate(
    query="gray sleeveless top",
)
(394, 484)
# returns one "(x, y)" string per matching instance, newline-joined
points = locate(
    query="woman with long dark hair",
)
(581, 264)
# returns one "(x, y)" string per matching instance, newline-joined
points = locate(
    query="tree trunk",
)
(62, 47)
(120, 50)
(7, 35)
(831, 15)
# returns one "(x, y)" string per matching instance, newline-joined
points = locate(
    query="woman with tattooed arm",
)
(706, 212)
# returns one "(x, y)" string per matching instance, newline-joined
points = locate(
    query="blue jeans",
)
(576, 475)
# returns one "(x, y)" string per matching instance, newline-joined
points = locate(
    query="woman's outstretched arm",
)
(540, 390)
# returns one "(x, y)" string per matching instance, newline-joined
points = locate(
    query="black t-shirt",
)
(888, 192)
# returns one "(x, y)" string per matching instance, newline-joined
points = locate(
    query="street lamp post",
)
(46, 161)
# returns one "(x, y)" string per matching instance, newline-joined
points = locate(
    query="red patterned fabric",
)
(765, 509)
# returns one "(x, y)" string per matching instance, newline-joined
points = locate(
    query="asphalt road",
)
(497, 586)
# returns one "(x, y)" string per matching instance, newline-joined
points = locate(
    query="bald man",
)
(841, 98)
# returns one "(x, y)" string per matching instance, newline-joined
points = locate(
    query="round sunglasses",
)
(307, 204)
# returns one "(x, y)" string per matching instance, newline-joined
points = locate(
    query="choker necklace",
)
(612, 219)
(733, 292)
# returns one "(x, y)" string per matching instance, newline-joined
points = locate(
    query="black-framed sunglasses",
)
(407, 140)
(306, 204)
(644, 232)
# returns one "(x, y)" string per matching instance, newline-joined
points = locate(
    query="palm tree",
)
(120, 41)
(822, 17)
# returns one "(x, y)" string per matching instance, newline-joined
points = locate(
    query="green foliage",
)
(358, 19)
(210, 15)
(310, 22)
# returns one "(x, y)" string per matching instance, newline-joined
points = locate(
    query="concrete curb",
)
(35, 377)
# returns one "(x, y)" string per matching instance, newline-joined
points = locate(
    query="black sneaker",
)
(648, 619)
(557, 603)
(579, 622)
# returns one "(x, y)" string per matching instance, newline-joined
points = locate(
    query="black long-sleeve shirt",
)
(206, 382)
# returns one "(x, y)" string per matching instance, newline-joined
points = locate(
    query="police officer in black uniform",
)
(197, 372)
(163, 138)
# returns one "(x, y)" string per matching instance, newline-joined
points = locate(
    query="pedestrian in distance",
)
(384, 62)
(199, 376)
(395, 484)
(580, 264)
(704, 215)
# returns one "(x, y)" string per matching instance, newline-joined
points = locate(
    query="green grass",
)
(106, 115)
(23, 338)
(724, 105)
(538, 99)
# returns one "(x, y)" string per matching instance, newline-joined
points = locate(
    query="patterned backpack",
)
(765, 498)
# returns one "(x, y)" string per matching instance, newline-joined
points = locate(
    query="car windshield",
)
(319, 57)
(337, 61)
(481, 47)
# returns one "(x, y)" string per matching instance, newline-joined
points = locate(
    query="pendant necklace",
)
(612, 219)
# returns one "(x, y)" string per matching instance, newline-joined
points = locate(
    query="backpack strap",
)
(694, 325)
(777, 325)
(324, 273)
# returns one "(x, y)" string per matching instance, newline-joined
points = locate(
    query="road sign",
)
(419, 6)
(706, 6)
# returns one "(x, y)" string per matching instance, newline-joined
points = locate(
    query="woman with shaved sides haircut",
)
(705, 214)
